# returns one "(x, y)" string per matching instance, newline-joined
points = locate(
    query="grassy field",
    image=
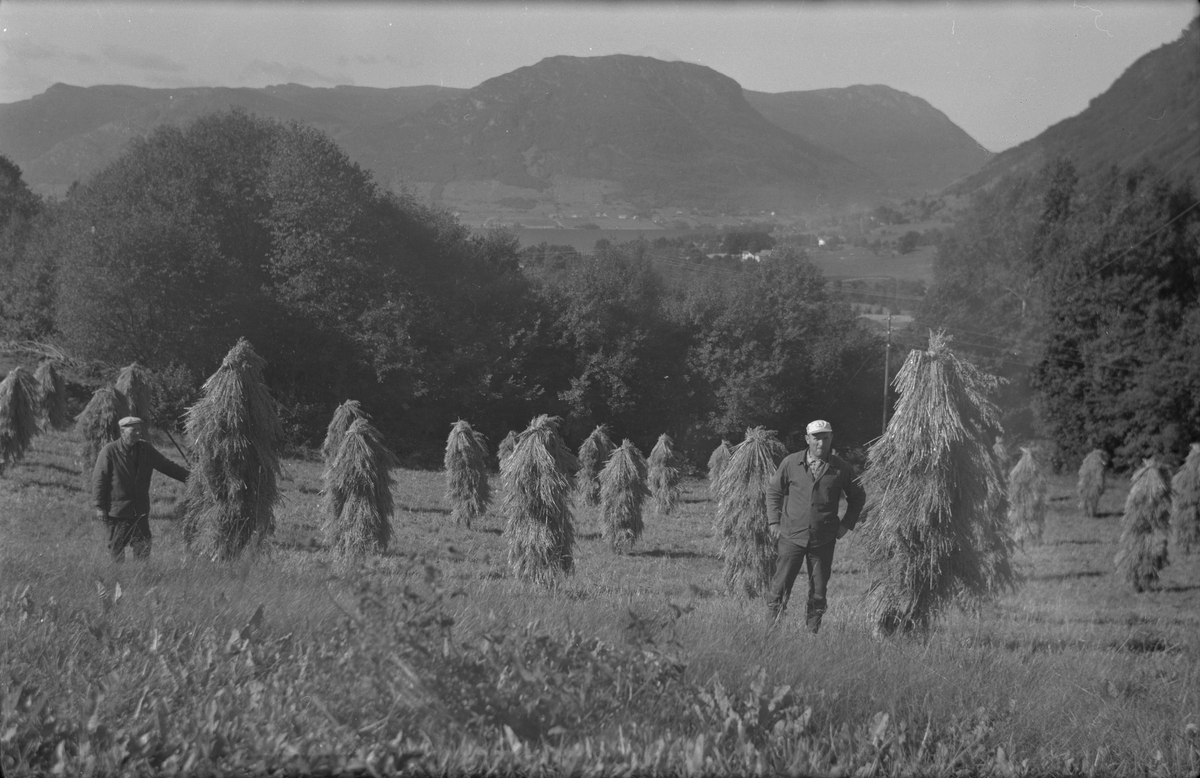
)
(433, 659)
(846, 262)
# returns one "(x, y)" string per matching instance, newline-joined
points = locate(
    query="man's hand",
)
(100, 515)
(841, 531)
(773, 530)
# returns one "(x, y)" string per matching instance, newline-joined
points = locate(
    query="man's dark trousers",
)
(789, 561)
(134, 532)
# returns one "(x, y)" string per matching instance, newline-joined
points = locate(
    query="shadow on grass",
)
(1145, 644)
(1077, 542)
(490, 531)
(694, 499)
(71, 471)
(1069, 576)
(310, 547)
(660, 553)
(423, 509)
(68, 486)
(1177, 588)
(588, 536)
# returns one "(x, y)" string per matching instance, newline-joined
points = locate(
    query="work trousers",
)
(789, 560)
(134, 532)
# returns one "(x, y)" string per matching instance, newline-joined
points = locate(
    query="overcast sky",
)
(1001, 71)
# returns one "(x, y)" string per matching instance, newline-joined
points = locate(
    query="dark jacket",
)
(121, 478)
(807, 511)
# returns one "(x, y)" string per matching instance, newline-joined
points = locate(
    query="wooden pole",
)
(886, 359)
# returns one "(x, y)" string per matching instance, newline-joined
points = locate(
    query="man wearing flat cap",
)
(121, 487)
(803, 498)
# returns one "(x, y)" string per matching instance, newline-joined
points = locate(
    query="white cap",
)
(129, 421)
(818, 426)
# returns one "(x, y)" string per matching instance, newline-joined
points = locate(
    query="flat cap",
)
(129, 421)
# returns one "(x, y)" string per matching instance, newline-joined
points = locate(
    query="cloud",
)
(369, 59)
(140, 60)
(299, 74)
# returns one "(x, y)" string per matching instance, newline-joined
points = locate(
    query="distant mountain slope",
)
(67, 133)
(664, 132)
(913, 146)
(566, 134)
(1150, 113)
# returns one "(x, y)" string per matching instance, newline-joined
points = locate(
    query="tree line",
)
(241, 226)
(1082, 291)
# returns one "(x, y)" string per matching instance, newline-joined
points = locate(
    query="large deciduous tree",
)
(1122, 328)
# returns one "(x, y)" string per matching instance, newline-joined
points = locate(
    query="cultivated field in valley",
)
(433, 658)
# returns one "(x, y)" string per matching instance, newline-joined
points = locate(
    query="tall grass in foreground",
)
(1145, 527)
(1091, 481)
(664, 475)
(937, 532)
(747, 548)
(623, 491)
(358, 494)
(20, 414)
(273, 665)
(236, 436)
(465, 465)
(1027, 500)
(593, 454)
(538, 481)
(1185, 503)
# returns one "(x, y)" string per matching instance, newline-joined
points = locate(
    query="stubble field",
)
(433, 659)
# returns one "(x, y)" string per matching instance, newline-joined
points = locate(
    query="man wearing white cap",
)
(121, 487)
(803, 498)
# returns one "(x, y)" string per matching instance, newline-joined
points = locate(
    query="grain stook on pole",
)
(716, 463)
(664, 475)
(1185, 503)
(358, 494)
(465, 465)
(133, 384)
(236, 436)
(53, 397)
(747, 548)
(97, 425)
(538, 479)
(1027, 500)
(20, 415)
(623, 492)
(343, 416)
(1091, 481)
(593, 454)
(1145, 527)
(936, 525)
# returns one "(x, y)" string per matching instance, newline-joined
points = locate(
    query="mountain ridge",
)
(567, 133)
(1154, 106)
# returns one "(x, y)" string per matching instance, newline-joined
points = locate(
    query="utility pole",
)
(886, 360)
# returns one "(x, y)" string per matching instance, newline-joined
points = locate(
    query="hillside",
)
(656, 132)
(913, 146)
(1151, 114)
(567, 140)
(68, 132)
